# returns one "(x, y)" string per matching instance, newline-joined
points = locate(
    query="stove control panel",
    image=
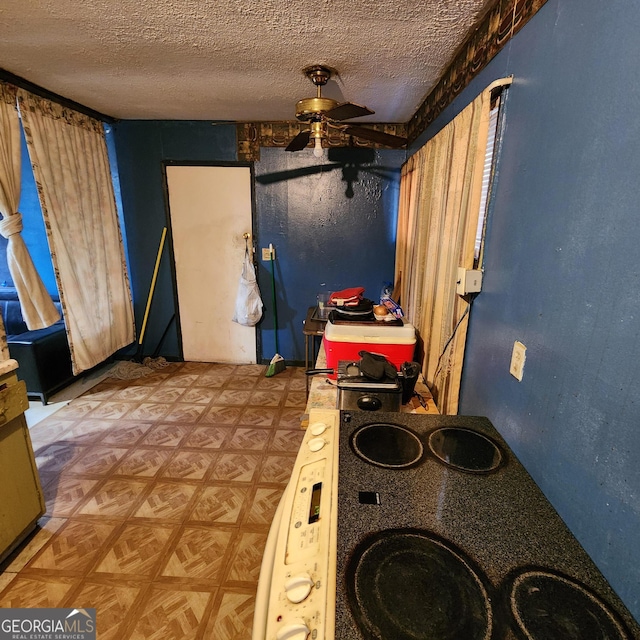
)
(307, 514)
(302, 597)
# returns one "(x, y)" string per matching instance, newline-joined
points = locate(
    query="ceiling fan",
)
(322, 113)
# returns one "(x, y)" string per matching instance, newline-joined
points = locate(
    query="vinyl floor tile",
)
(74, 548)
(79, 408)
(199, 395)
(166, 501)
(212, 380)
(236, 467)
(181, 380)
(219, 415)
(286, 440)
(48, 431)
(132, 392)
(65, 494)
(234, 396)
(116, 498)
(149, 411)
(266, 398)
(185, 413)
(125, 432)
(53, 458)
(112, 604)
(258, 416)
(247, 558)
(96, 461)
(137, 550)
(277, 469)
(208, 437)
(241, 382)
(112, 409)
(166, 435)
(220, 504)
(160, 492)
(87, 431)
(172, 615)
(233, 618)
(142, 462)
(249, 439)
(36, 591)
(166, 394)
(189, 465)
(274, 383)
(263, 506)
(200, 554)
(296, 399)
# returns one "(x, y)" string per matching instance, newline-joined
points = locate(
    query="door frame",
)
(172, 262)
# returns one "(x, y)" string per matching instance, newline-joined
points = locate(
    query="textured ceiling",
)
(243, 61)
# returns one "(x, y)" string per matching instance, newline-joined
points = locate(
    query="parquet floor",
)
(160, 492)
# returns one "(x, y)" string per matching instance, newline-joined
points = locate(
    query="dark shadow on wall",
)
(351, 161)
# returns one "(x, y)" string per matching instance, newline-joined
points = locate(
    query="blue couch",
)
(43, 355)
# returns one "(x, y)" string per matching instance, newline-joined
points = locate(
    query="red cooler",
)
(344, 341)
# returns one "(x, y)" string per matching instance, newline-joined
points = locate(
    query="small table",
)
(313, 328)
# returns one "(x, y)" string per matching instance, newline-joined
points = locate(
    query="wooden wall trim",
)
(501, 22)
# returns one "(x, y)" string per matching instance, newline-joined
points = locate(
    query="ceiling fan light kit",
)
(322, 113)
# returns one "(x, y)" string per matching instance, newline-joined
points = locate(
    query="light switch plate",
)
(518, 357)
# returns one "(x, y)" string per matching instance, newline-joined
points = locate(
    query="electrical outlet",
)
(518, 357)
(266, 253)
(469, 281)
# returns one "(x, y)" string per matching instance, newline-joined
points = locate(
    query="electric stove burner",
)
(409, 585)
(387, 445)
(465, 449)
(548, 606)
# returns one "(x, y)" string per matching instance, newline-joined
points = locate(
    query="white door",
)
(210, 211)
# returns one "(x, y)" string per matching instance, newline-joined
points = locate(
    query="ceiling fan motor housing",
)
(322, 112)
(313, 108)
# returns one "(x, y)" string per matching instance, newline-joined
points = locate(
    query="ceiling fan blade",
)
(375, 136)
(347, 110)
(299, 142)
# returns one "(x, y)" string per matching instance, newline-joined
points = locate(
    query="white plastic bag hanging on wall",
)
(249, 305)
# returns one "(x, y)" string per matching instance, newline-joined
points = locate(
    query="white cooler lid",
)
(370, 333)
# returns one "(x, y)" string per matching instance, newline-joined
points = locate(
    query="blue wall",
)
(562, 274)
(329, 232)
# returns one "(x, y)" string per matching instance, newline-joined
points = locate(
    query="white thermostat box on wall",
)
(469, 281)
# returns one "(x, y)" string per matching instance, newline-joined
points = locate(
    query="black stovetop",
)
(443, 535)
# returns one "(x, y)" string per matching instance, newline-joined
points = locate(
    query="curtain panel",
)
(37, 307)
(69, 157)
(440, 194)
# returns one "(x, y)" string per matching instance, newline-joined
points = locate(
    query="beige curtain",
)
(69, 157)
(440, 192)
(37, 307)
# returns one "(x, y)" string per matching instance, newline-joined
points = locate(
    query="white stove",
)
(435, 531)
(296, 592)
